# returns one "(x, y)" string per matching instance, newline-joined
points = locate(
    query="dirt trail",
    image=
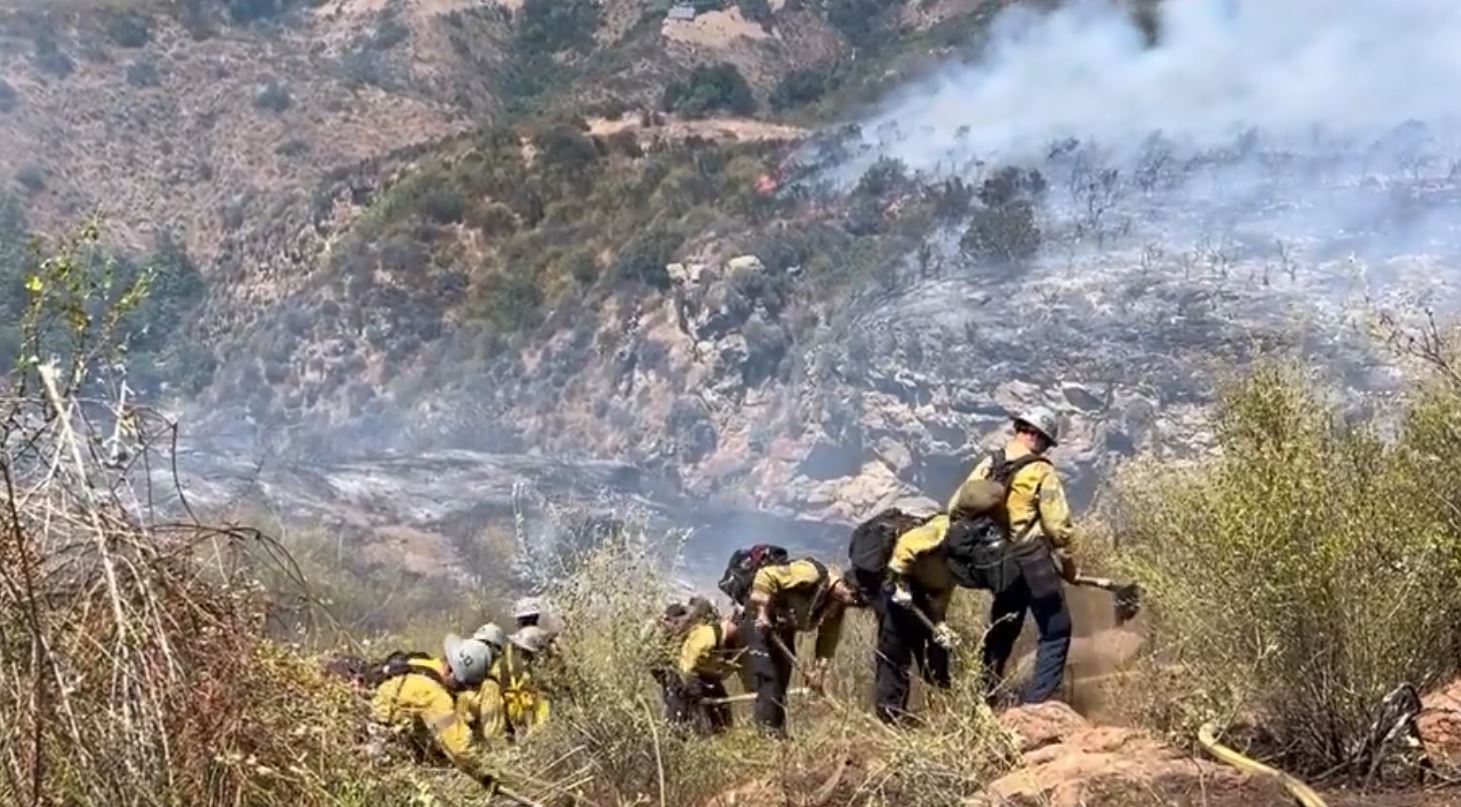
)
(741, 129)
(714, 29)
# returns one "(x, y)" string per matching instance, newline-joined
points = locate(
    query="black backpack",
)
(740, 572)
(980, 554)
(398, 664)
(871, 547)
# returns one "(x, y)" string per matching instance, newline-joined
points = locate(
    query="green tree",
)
(556, 25)
(803, 86)
(710, 88)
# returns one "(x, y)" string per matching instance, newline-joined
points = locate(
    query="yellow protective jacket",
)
(918, 557)
(792, 591)
(419, 703)
(509, 703)
(705, 653)
(1036, 504)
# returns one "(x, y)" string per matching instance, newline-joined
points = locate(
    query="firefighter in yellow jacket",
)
(709, 654)
(510, 703)
(912, 607)
(785, 599)
(419, 694)
(1040, 533)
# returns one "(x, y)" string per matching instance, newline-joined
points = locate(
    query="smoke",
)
(1297, 132)
(1298, 72)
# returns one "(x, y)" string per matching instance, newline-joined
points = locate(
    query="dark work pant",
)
(903, 639)
(770, 672)
(685, 702)
(1036, 589)
(707, 718)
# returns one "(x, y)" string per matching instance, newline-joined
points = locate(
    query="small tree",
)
(802, 86)
(556, 25)
(710, 88)
(644, 258)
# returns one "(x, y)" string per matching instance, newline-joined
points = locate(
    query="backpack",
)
(740, 572)
(871, 547)
(398, 664)
(980, 554)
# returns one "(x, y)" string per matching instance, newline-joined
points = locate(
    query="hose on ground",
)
(1302, 793)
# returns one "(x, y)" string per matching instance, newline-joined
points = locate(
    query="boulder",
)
(1440, 724)
(745, 263)
(1070, 763)
(1014, 396)
(1043, 724)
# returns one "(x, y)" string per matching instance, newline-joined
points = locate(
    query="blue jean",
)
(1043, 598)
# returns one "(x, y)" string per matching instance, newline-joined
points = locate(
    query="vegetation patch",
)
(1304, 572)
(710, 88)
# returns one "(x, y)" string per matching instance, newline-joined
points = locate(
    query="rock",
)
(1084, 766)
(1440, 724)
(1083, 398)
(745, 263)
(1014, 396)
(828, 460)
(895, 455)
(865, 491)
(1042, 724)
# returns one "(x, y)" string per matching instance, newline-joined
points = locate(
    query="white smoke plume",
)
(1295, 70)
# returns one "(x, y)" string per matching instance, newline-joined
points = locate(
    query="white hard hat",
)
(492, 635)
(526, 607)
(532, 639)
(1043, 421)
(468, 659)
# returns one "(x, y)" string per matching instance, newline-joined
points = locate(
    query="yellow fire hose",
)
(1302, 793)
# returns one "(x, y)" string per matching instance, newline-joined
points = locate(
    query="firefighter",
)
(708, 654)
(419, 693)
(1040, 535)
(510, 702)
(802, 596)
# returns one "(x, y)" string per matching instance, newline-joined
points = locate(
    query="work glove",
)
(1065, 562)
(902, 597)
(944, 636)
(816, 677)
(763, 620)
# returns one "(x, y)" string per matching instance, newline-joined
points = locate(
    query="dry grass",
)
(609, 738)
(130, 674)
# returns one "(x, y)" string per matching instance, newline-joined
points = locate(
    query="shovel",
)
(1126, 595)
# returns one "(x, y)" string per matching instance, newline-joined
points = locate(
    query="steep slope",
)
(154, 126)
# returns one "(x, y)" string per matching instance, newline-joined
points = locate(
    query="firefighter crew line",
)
(1006, 529)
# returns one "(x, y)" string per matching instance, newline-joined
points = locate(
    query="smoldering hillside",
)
(1120, 217)
(1317, 130)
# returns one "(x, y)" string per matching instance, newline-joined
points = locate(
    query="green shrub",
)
(645, 256)
(804, 85)
(1305, 571)
(710, 88)
(886, 176)
(142, 74)
(1004, 233)
(129, 30)
(49, 58)
(247, 11)
(443, 205)
(757, 11)
(550, 26)
(861, 21)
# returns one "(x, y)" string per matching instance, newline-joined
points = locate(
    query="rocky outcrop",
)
(1440, 725)
(1069, 762)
